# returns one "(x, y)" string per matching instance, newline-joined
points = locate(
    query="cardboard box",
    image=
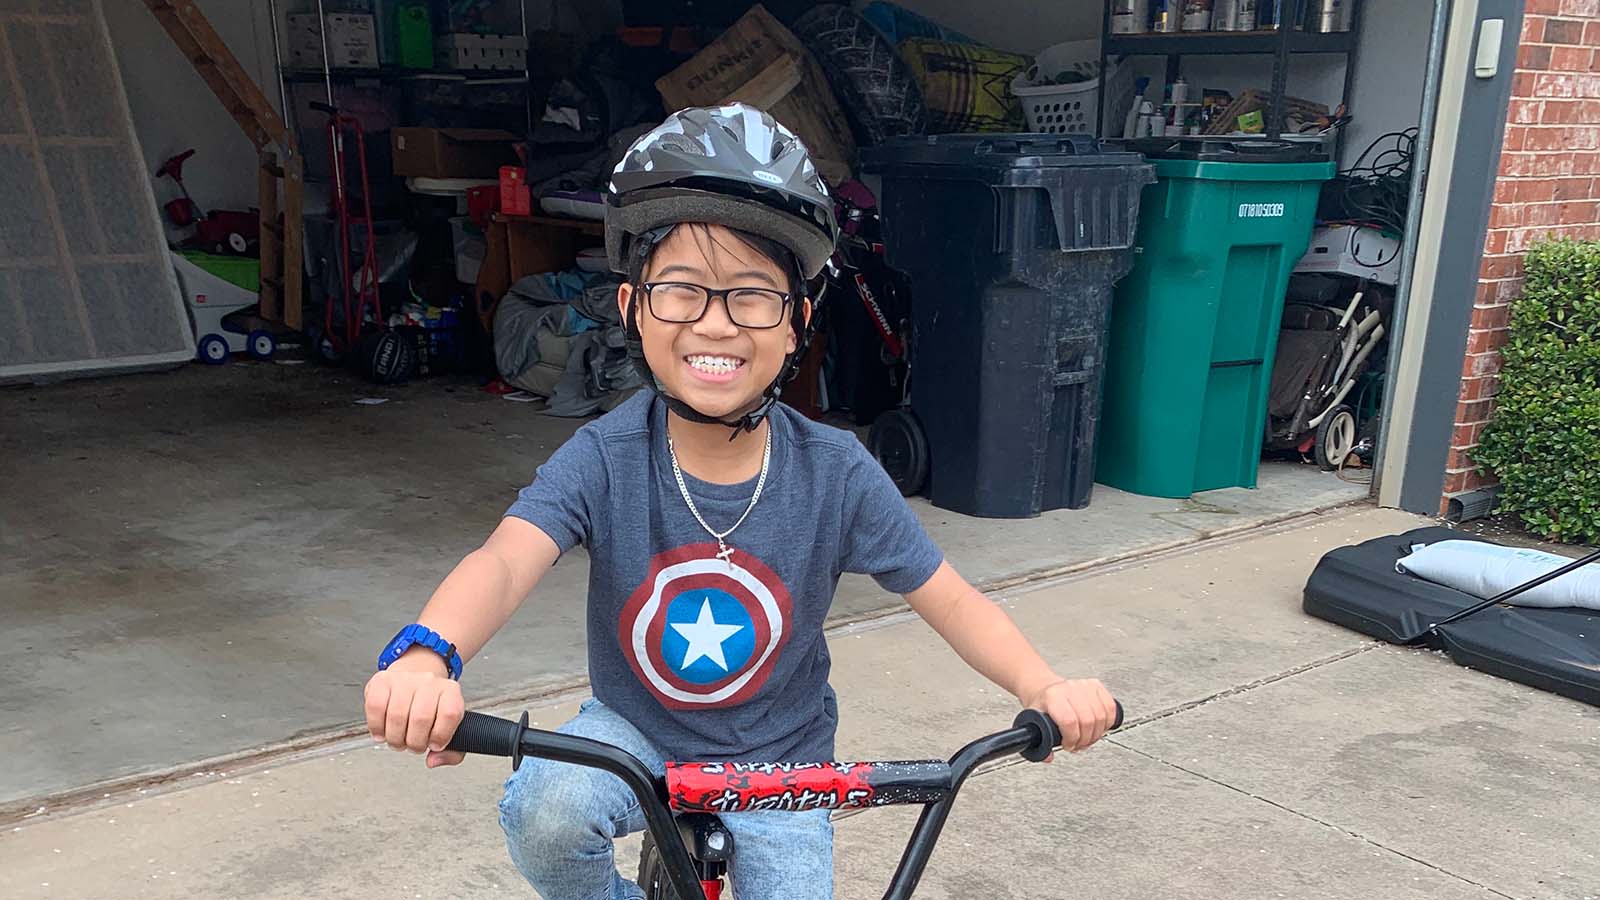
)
(352, 40)
(481, 51)
(304, 36)
(452, 152)
(757, 51)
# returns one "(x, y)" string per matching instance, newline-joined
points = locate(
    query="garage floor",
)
(204, 561)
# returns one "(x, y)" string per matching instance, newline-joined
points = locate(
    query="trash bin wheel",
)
(897, 442)
(1336, 437)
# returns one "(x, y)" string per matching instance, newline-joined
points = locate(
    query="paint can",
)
(1130, 17)
(1233, 15)
(1331, 16)
(1168, 16)
(1196, 15)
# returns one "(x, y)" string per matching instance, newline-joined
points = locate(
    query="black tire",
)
(652, 875)
(874, 85)
(898, 444)
(1336, 437)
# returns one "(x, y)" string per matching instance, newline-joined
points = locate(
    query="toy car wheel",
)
(261, 344)
(1336, 437)
(897, 442)
(212, 350)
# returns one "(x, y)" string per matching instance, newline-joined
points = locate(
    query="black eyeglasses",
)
(682, 303)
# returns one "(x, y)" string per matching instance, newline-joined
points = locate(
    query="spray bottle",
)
(1130, 125)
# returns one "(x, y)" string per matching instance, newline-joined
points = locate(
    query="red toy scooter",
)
(223, 231)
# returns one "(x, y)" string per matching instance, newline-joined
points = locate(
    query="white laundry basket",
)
(1071, 108)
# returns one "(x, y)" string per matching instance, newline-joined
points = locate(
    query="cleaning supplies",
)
(1130, 127)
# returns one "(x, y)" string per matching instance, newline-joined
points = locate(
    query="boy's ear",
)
(805, 312)
(624, 294)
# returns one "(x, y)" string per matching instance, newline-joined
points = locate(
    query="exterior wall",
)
(1548, 185)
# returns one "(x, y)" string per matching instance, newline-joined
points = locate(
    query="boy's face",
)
(714, 365)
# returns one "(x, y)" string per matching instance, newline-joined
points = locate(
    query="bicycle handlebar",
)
(1032, 735)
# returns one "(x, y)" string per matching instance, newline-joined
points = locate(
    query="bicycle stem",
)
(650, 790)
(919, 849)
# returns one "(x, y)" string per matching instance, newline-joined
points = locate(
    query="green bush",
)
(1544, 440)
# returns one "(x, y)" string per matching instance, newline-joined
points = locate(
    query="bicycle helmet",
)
(734, 166)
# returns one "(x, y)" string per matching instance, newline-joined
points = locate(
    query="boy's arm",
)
(486, 587)
(986, 638)
(414, 704)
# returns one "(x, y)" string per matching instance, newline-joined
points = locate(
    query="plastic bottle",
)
(1148, 120)
(1130, 125)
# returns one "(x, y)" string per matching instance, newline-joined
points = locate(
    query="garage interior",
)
(199, 560)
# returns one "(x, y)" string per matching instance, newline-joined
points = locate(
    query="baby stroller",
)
(1326, 345)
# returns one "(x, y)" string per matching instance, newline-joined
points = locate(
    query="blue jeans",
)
(560, 821)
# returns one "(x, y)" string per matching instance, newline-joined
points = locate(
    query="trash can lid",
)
(995, 152)
(1228, 148)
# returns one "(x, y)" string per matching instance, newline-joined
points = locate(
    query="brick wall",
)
(1548, 185)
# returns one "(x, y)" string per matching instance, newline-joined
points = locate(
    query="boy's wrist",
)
(421, 659)
(1033, 689)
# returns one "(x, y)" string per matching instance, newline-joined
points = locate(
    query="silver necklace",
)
(724, 552)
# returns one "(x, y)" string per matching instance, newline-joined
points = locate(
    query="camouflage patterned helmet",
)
(731, 165)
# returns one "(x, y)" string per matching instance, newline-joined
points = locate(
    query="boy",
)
(713, 556)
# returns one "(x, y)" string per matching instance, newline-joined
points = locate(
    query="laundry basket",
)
(1053, 108)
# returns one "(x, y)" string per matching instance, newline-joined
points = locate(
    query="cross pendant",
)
(725, 553)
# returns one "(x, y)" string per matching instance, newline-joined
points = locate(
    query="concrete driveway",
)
(1270, 755)
(200, 564)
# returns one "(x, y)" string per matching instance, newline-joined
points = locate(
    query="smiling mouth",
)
(711, 364)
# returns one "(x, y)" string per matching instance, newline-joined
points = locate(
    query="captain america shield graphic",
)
(702, 632)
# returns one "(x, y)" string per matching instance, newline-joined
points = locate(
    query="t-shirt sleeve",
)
(566, 491)
(882, 536)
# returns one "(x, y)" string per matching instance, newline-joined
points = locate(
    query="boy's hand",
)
(414, 705)
(1081, 707)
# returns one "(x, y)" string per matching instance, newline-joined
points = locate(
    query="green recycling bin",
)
(1195, 324)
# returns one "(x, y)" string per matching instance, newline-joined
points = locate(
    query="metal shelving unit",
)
(1280, 43)
(329, 75)
(1229, 42)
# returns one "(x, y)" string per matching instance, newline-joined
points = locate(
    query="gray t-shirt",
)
(718, 659)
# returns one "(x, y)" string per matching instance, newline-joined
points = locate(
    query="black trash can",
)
(1012, 243)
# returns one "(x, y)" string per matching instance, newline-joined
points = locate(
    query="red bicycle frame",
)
(698, 789)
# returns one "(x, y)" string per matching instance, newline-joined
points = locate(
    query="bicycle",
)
(687, 848)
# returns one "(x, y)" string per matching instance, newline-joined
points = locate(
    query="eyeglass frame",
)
(712, 294)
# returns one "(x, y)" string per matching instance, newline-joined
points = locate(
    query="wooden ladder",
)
(280, 168)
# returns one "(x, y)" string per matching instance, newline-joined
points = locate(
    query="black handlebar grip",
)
(1045, 726)
(490, 736)
(323, 107)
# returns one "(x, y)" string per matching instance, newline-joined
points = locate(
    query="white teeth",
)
(716, 365)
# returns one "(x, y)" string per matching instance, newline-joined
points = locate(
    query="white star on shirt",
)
(705, 637)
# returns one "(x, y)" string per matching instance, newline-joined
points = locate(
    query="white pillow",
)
(1487, 570)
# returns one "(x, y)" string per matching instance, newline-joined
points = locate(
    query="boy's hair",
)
(705, 240)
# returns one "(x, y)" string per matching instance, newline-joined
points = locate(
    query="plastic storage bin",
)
(1195, 324)
(1011, 244)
